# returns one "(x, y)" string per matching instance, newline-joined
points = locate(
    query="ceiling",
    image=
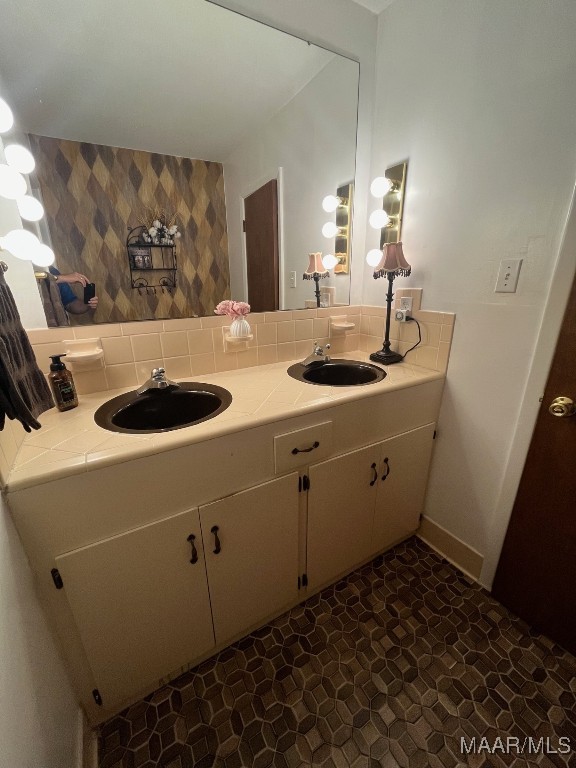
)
(376, 6)
(191, 81)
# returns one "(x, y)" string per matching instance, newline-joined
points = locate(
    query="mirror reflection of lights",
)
(329, 229)
(373, 257)
(30, 208)
(329, 261)
(6, 117)
(12, 183)
(330, 203)
(43, 256)
(19, 158)
(20, 243)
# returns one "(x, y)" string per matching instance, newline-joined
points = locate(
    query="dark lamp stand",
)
(386, 356)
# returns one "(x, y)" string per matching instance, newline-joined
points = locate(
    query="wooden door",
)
(255, 572)
(261, 228)
(140, 605)
(340, 513)
(403, 475)
(536, 574)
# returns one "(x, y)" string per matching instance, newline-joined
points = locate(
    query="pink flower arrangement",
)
(232, 308)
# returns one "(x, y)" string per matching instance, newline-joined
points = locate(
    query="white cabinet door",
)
(403, 472)
(340, 514)
(251, 545)
(140, 605)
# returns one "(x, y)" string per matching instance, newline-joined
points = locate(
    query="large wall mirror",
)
(232, 129)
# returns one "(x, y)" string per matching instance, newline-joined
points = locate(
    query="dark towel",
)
(24, 391)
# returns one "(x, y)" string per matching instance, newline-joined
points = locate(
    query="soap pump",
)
(62, 384)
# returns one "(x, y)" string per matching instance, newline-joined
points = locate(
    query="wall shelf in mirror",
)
(146, 257)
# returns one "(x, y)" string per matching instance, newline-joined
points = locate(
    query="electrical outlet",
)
(406, 303)
(508, 276)
(292, 279)
(401, 315)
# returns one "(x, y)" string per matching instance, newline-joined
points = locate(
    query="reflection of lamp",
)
(316, 271)
(390, 265)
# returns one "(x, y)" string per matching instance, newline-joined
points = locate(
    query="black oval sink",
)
(161, 410)
(337, 373)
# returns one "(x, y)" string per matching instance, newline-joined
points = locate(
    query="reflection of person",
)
(71, 302)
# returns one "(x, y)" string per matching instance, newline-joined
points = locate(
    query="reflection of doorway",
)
(261, 234)
(536, 576)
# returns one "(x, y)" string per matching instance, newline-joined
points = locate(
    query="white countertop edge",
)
(21, 477)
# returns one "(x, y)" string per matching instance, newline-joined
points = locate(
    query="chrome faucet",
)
(157, 380)
(318, 356)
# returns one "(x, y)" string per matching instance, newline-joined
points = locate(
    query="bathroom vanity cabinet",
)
(276, 512)
(364, 501)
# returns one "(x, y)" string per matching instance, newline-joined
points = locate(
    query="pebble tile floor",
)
(389, 667)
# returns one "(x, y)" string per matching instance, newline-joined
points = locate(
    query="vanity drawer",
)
(301, 447)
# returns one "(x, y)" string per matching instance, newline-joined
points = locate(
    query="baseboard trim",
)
(451, 547)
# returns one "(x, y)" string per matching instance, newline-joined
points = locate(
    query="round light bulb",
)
(329, 261)
(380, 186)
(378, 219)
(6, 117)
(12, 183)
(21, 243)
(20, 158)
(30, 208)
(329, 229)
(330, 203)
(373, 257)
(43, 256)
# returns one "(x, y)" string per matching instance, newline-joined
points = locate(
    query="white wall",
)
(349, 29)
(480, 97)
(39, 726)
(312, 138)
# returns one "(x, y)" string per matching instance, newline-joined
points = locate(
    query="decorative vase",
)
(240, 327)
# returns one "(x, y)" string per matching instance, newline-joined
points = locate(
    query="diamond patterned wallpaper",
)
(94, 193)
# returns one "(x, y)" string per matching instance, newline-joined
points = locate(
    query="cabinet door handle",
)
(384, 476)
(214, 530)
(315, 444)
(373, 468)
(194, 558)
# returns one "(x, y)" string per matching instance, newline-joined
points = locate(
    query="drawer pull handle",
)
(387, 468)
(214, 530)
(315, 444)
(373, 468)
(194, 558)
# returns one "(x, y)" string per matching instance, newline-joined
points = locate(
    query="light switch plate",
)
(508, 276)
(292, 279)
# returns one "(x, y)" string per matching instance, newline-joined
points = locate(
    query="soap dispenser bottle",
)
(62, 384)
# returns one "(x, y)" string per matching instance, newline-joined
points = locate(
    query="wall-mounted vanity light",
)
(390, 188)
(341, 204)
(6, 117)
(21, 243)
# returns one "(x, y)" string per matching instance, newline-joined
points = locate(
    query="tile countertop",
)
(71, 442)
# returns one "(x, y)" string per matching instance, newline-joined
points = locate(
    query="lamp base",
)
(386, 357)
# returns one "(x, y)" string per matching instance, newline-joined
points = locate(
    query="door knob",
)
(562, 407)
